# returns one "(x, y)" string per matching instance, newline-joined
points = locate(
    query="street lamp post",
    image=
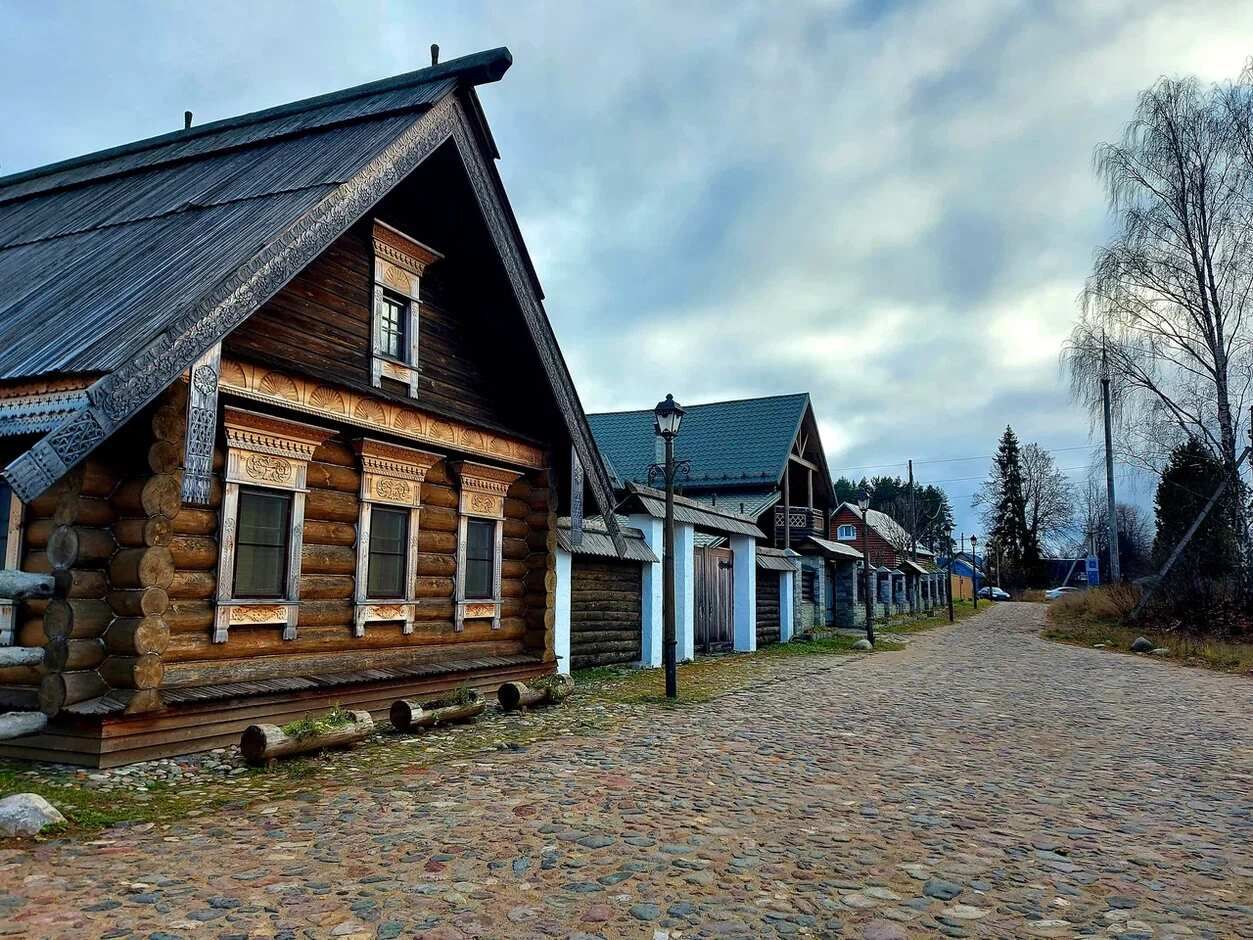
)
(974, 572)
(667, 418)
(863, 503)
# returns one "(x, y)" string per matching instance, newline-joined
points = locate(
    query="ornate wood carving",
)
(390, 475)
(483, 490)
(202, 415)
(12, 561)
(265, 451)
(119, 395)
(399, 263)
(375, 414)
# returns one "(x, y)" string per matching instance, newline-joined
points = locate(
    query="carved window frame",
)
(846, 532)
(263, 452)
(483, 489)
(391, 476)
(399, 263)
(12, 561)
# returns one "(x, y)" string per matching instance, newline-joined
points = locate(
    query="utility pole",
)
(913, 535)
(949, 579)
(1115, 568)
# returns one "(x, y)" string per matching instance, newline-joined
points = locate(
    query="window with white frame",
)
(10, 555)
(846, 533)
(480, 541)
(387, 532)
(399, 263)
(263, 512)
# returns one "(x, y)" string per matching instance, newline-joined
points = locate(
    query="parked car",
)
(993, 593)
(1053, 594)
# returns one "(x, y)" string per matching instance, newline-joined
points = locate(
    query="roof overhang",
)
(597, 543)
(778, 559)
(115, 398)
(837, 551)
(688, 511)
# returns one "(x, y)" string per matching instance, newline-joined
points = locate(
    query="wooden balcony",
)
(802, 521)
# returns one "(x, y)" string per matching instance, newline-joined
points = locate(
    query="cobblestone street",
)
(983, 782)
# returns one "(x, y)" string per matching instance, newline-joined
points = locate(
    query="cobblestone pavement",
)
(984, 782)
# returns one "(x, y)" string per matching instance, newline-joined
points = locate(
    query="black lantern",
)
(667, 417)
(863, 500)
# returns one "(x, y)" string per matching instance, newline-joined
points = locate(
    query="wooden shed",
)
(606, 594)
(281, 406)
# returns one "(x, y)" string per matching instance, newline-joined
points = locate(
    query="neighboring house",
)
(279, 395)
(904, 575)
(962, 574)
(759, 459)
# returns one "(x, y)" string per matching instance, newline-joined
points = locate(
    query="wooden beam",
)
(802, 461)
(21, 585)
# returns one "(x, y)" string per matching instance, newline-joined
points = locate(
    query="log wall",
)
(605, 606)
(768, 620)
(324, 637)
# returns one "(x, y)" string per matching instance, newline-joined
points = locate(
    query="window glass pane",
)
(480, 557)
(389, 532)
(393, 316)
(264, 528)
(5, 502)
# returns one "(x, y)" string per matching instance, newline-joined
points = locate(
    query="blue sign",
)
(1094, 571)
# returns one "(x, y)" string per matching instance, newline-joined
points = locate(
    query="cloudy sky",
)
(889, 205)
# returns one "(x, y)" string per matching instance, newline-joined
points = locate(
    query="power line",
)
(902, 463)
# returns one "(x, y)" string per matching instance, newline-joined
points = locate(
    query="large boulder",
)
(1141, 645)
(27, 814)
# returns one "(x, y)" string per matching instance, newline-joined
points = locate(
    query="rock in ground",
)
(1141, 645)
(863, 644)
(27, 814)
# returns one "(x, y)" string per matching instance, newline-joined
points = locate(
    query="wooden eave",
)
(118, 396)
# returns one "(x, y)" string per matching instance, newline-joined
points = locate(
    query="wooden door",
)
(715, 604)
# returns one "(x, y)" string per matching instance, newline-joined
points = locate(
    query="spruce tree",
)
(1006, 513)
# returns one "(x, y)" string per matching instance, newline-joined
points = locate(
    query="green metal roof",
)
(729, 443)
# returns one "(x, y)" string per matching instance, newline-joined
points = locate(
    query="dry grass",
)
(1096, 617)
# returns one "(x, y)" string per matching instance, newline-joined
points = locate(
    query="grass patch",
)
(87, 810)
(710, 676)
(1096, 617)
(920, 623)
(310, 726)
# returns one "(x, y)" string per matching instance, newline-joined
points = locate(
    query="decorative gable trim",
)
(115, 398)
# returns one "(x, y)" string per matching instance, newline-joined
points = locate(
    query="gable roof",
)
(729, 443)
(129, 263)
(892, 531)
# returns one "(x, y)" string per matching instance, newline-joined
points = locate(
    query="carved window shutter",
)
(12, 561)
(483, 490)
(264, 452)
(391, 475)
(202, 418)
(399, 263)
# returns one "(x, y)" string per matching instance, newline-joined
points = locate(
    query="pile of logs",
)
(409, 716)
(550, 690)
(261, 744)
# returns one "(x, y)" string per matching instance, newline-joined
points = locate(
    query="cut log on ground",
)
(261, 744)
(408, 716)
(546, 691)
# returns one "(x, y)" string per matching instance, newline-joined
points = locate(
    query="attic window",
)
(399, 263)
(846, 533)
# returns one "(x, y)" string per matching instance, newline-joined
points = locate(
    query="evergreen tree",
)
(1212, 556)
(1005, 514)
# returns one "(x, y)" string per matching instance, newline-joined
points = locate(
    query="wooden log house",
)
(280, 404)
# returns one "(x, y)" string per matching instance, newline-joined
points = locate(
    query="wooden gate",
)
(604, 612)
(767, 606)
(715, 602)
